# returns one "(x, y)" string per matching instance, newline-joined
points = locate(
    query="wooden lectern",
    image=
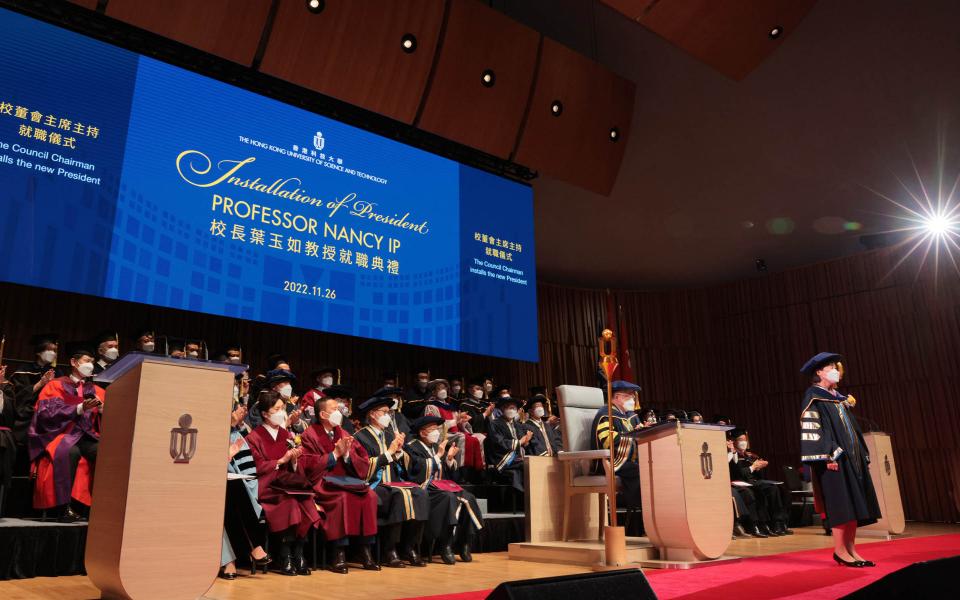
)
(883, 471)
(156, 519)
(685, 490)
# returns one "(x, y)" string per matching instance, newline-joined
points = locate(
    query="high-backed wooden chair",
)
(578, 405)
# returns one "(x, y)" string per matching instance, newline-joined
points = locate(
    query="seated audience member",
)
(439, 404)
(476, 408)
(433, 465)
(546, 440)
(349, 505)
(746, 518)
(64, 436)
(456, 388)
(322, 379)
(175, 349)
(145, 341)
(232, 353)
(398, 421)
(344, 397)
(416, 396)
(744, 465)
(506, 443)
(625, 420)
(241, 515)
(695, 416)
(722, 420)
(28, 381)
(281, 381)
(194, 349)
(108, 351)
(404, 507)
(648, 417)
(285, 491)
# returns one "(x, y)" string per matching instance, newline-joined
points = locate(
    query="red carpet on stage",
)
(809, 574)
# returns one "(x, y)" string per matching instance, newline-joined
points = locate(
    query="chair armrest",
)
(584, 455)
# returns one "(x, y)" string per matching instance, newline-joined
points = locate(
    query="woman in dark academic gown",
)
(832, 444)
(286, 493)
(349, 504)
(433, 466)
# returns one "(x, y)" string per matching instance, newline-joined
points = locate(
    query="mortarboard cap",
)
(421, 422)
(816, 363)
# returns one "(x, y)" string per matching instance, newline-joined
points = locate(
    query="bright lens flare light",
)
(939, 225)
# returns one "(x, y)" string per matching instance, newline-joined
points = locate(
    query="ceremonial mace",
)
(614, 537)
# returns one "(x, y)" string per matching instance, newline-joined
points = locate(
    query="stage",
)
(793, 566)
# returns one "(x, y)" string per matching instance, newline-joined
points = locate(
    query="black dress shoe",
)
(867, 563)
(366, 559)
(465, 555)
(446, 554)
(738, 530)
(855, 564)
(782, 528)
(392, 560)
(339, 564)
(411, 556)
(286, 566)
(69, 516)
(228, 576)
(764, 528)
(755, 532)
(301, 566)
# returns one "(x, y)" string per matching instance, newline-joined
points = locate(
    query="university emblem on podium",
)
(886, 464)
(706, 461)
(183, 440)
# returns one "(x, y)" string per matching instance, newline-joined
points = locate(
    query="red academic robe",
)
(54, 430)
(286, 495)
(346, 513)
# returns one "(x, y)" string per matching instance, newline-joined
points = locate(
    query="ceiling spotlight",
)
(761, 265)
(409, 43)
(316, 6)
(487, 78)
(614, 134)
(776, 32)
(556, 108)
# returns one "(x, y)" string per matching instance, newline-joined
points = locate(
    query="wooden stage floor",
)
(486, 571)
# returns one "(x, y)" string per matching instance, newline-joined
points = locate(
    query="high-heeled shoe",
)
(259, 563)
(855, 564)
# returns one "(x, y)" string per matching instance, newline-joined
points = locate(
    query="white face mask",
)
(833, 376)
(335, 418)
(477, 394)
(234, 359)
(538, 412)
(193, 354)
(48, 356)
(326, 381)
(278, 418)
(743, 445)
(344, 409)
(383, 421)
(148, 346)
(285, 390)
(442, 394)
(510, 414)
(434, 436)
(85, 369)
(629, 405)
(111, 353)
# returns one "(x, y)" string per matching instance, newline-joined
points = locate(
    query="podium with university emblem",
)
(156, 520)
(883, 472)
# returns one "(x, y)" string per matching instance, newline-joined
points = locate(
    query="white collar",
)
(273, 431)
(75, 380)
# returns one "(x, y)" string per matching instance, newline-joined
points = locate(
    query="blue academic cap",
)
(421, 422)
(278, 375)
(624, 386)
(815, 363)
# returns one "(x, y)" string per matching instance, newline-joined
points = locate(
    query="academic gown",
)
(25, 399)
(546, 440)
(475, 408)
(286, 494)
(346, 512)
(388, 477)
(625, 453)
(503, 450)
(472, 456)
(829, 431)
(54, 429)
(414, 402)
(8, 446)
(762, 494)
(447, 507)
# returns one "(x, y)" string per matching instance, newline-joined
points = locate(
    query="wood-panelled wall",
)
(733, 349)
